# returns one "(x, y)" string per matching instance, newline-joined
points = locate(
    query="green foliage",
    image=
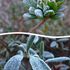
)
(30, 42)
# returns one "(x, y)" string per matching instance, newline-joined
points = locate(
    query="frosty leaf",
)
(28, 16)
(63, 67)
(60, 15)
(33, 3)
(26, 2)
(14, 43)
(58, 59)
(62, 8)
(2, 61)
(47, 54)
(32, 52)
(41, 3)
(14, 62)
(23, 47)
(54, 44)
(36, 39)
(31, 10)
(38, 64)
(38, 13)
(49, 12)
(46, 8)
(63, 39)
(30, 2)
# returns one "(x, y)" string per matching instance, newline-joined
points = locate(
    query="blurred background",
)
(11, 19)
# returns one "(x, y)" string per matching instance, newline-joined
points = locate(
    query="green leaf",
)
(52, 5)
(38, 64)
(28, 16)
(30, 41)
(41, 49)
(59, 3)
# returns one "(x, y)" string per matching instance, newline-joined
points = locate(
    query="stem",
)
(38, 25)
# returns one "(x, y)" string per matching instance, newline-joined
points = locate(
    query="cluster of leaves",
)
(32, 51)
(44, 8)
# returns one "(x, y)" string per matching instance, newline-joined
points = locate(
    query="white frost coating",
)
(26, 1)
(29, 2)
(58, 59)
(32, 52)
(49, 11)
(47, 54)
(63, 39)
(23, 46)
(38, 13)
(38, 64)
(36, 39)
(13, 63)
(54, 44)
(27, 16)
(52, 0)
(31, 10)
(46, 8)
(61, 15)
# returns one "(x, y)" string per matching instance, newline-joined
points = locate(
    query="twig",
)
(38, 25)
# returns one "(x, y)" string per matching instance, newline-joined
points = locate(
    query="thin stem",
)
(38, 25)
